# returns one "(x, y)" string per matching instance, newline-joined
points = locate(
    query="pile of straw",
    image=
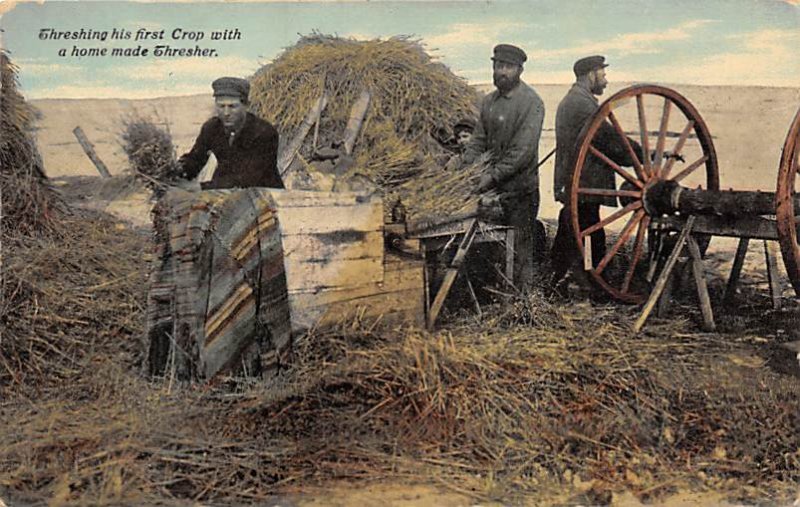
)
(532, 399)
(70, 301)
(30, 206)
(151, 154)
(413, 98)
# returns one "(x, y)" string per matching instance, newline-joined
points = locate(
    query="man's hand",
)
(486, 182)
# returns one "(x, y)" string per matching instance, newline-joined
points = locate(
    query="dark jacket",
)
(251, 161)
(574, 111)
(509, 129)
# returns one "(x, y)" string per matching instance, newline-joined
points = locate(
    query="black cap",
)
(231, 87)
(464, 124)
(509, 54)
(588, 64)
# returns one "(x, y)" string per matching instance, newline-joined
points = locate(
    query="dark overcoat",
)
(251, 160)
(574, 111)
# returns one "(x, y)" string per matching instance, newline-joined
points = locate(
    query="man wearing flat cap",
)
(574, 111)
(245, 146)
(508, 133)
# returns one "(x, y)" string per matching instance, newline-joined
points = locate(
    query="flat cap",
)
(231, 87)
(509, 54)
(588, 64)
(464, 124)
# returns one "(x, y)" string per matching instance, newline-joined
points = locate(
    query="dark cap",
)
(231, 87)
(464, 124)
(509, 54)
(588, 64)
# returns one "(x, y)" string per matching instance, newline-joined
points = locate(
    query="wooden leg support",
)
(772, 274)
(700, 281)
(664, 276)
(452, 272)
(736, 271)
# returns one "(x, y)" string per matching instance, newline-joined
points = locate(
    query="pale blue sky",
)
(729, 42)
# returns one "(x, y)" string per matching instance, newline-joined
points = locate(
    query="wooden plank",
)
(312, 117)
(407, 277)
(288, 198)
(752, 227)
(401, 295)
(700, 282)
(353, 128)
(320, 219)
(342, 273)
(452, 272)
(334, 246)
(771, 254)
(661, 282)
(736, 270)
(88, 148)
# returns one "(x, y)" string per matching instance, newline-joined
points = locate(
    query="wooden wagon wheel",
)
(785, 212)
(620, 271)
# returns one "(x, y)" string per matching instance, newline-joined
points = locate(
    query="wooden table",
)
(470, 231)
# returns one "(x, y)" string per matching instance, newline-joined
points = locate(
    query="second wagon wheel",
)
(786, 210)
(679, 149)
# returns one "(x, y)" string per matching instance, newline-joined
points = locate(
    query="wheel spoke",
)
(611, 218)
(678, 147)
(690, 168)
(637, 253)
(604, 192)
(643, 133)
(623, 237)
(613, 165)
(662, 134)
(637, 164)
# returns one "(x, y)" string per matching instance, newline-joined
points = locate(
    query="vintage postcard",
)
(400, 252)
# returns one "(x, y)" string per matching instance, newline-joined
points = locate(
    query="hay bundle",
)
(412, 98)
(70, 300)
(30, 205)
(151, 154)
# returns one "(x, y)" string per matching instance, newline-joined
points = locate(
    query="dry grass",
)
(150, 152)
(413, 99)
(533, 394)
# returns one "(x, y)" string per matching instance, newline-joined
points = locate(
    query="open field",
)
(535, 402)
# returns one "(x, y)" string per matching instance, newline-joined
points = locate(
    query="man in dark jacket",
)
(574, 111)
(245, 146)
(508, 131)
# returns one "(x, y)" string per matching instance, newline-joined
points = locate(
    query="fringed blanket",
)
(218, 296)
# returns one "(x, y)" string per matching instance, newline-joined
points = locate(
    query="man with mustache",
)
(245, 146)
(574, 110)
(508, 133)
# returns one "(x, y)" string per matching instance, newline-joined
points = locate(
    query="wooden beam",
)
(312, 118)
(661, 282)
(357, 114)
(772, 274)
(700, 282)
(736, 270)
(452, 272)
(88, 148)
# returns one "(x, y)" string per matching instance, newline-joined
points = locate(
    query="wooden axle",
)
(668, 197)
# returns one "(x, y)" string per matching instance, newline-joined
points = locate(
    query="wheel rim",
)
(619, 272)
(785, 213)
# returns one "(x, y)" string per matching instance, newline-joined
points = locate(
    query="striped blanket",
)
(218, 298)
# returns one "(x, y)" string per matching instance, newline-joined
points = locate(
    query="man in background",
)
(508, 134)
(574, 111)
(245, 146)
